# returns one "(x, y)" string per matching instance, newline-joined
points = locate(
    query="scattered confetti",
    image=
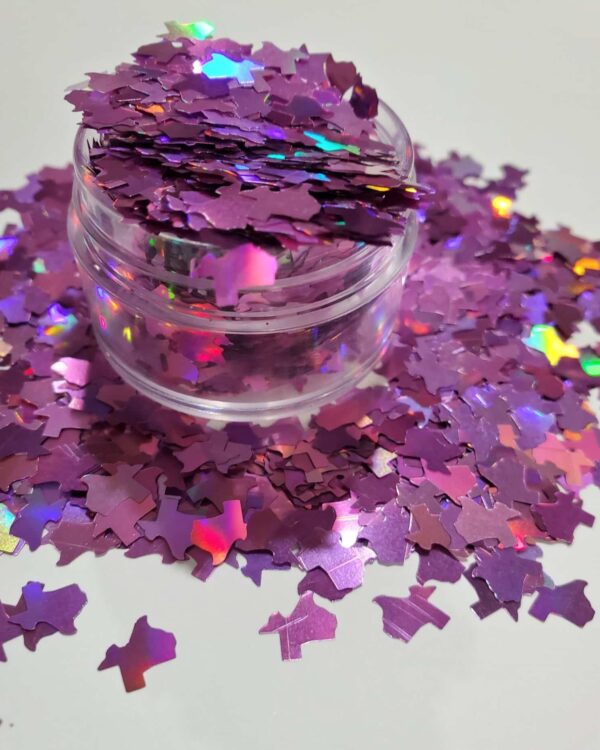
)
(146, 648)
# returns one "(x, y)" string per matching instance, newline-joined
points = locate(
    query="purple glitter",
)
(476, 449)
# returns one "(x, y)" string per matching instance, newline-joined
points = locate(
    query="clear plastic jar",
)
(291, 346)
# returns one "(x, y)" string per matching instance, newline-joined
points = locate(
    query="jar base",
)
(261, 411)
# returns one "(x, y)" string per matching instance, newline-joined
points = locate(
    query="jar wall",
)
(213, 372)
(280, 349)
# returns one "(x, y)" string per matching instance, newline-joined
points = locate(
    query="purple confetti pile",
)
(234, 145)
(473, 456)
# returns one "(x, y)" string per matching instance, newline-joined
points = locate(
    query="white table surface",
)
(506, 81)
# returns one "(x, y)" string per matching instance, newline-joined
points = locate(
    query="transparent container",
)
(280, 350)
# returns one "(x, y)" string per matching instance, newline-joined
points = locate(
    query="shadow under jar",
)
(282, 349)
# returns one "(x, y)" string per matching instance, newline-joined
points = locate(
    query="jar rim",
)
(391, 129)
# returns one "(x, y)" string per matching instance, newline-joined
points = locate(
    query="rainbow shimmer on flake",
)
(502, 206)
(146, 648)
(584, 264)
(7, 245)
(325, 144)
(220, 66)
(217, 534)
(39, 266)
(545, 339)
(195, 30)
(591, 365)
(56, 324)
(8, 542)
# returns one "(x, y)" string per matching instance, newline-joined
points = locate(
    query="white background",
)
(505, 81)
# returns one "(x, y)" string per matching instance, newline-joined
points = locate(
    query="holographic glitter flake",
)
(404, 616)
(146, 648)
(8, 542)
(545, 339)
(57, 608)
(308, 622)
(568, 601)
(221, 66)
(246, 266)
(217, 534)
(194, 30)
(30, 523)
(286, 160)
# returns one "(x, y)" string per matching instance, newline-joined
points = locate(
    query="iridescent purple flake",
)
(404, 616)
(146, 648)
(568, 601)
(307, 622)
(57, 608)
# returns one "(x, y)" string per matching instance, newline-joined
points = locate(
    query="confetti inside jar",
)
(243, 221)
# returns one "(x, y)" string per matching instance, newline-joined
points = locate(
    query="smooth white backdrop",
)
(506, 81)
